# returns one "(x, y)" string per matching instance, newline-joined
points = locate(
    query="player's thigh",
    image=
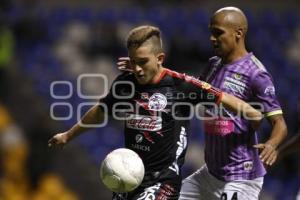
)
(158, 191)
(190, 188)
(242, 190)
(298, 195)
(198, 186)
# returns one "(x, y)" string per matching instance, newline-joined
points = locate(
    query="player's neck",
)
(234, 56)
(159, 75)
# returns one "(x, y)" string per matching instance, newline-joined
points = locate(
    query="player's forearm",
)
(237, 105)
(93, 116)
(279, 131)
(290, 146)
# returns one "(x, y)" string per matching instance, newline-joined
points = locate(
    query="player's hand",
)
(59, 140)
(268, 153)
(124, 64)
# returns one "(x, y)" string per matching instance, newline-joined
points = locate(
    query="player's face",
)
(145, 63)
(223, 37)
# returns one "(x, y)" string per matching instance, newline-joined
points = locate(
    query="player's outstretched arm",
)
(239, 106)
(93, 116)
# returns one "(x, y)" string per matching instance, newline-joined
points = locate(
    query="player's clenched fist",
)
(124, 64)
(59, 139)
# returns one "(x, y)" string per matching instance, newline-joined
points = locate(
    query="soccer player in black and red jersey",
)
(156, 104)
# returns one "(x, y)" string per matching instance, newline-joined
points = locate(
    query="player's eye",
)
(216, 32)
(132, 62)
(141, 62)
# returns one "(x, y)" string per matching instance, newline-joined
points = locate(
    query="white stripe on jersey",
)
(182, 144)
(258, 63)
(149, 192)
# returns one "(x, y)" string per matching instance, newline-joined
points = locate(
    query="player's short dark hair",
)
(142, 34)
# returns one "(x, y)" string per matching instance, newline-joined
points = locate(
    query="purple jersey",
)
(229, 151)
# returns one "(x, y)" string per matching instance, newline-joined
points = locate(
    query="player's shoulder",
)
(250, 66)
(125, 76)
(256, 69)
(255, 64)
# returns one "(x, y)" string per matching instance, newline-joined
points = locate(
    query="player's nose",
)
(137, 68)
(212, 38)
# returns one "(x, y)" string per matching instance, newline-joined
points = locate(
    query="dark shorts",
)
(155, 186)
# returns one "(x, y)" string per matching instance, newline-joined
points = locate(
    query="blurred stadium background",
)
(46, 41)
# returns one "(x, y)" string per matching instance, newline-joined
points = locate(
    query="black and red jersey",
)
(156, 115)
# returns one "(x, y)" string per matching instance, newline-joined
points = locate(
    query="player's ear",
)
(160, 58)
(239, 33)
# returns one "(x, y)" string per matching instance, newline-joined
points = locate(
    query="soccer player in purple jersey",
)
(152, 109)
(234, 159)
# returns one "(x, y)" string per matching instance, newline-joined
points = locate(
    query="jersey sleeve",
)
(264, 92)
(120, 91)
(198, 91)
(108, 101)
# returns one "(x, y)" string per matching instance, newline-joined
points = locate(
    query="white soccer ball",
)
(122, 170)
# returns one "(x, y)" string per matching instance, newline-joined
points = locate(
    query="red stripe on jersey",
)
(148, 137)
(145, 106)
(174, 74)
(166, 192)
(201, 84)
(219, 94)
(162, 74)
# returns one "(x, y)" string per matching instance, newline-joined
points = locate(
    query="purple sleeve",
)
(264, 93)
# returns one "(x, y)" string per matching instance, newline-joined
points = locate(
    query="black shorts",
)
(163, 185)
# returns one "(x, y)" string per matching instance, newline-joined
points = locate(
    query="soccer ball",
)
(122, 170)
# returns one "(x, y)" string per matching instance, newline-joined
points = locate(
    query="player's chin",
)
(218, 52)
(143, 83)
(142, 80)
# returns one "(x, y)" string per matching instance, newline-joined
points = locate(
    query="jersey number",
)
(224, 196)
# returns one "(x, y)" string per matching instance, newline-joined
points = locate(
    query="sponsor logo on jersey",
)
(157, 102)
(237, 76)
(143, 122)
(270, 90)
(144, 96)
(205, 85)
(141, 147)
(234, 85)
(237, 82)
(248, 166)
(138, 138)
(219, 126)
(182, 144)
